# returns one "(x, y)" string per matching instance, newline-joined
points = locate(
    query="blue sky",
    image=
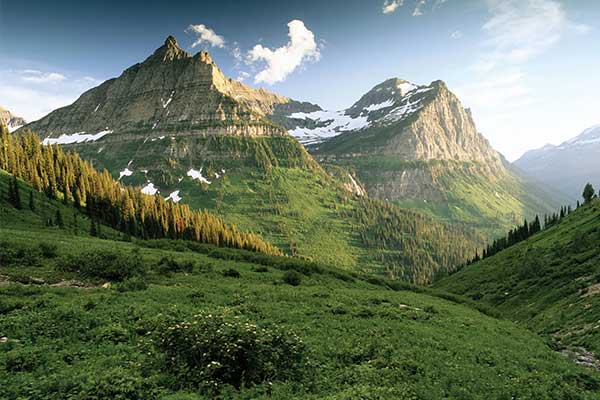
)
(527, 68)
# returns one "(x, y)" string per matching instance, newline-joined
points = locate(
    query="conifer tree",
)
(93, 229)
(31, 202)
(588, 193)
(15, 194)
(58, 220)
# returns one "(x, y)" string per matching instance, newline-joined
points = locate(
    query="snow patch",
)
(165, 104)
(97, 107)
(406, 87)
(79, 137)
(125, 172)
(149, 189)
(12, 128)
(375, 107)
(334, 122)
(195, 174)
(174, 196)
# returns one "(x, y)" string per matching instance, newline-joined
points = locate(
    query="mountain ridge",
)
(568, 166)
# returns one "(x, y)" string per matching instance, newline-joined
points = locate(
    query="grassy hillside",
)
(455, 192)
(66, 333)
(550, 282)
(273, 187)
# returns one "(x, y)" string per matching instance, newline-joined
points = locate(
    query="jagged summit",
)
(170, 92)
(11, 121)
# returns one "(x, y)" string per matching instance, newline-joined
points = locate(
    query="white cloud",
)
(284, 60)
(456, 34)
(31, 93)
(35, 76)
(391, 6)
(206, 35)
(242, 76)
(418, 11)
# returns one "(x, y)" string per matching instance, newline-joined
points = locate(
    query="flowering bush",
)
(212, 349)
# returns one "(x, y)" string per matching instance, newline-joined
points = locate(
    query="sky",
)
(528, 69)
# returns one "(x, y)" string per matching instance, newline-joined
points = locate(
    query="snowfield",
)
(79, 137)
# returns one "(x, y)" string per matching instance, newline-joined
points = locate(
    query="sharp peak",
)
(171, 41)
(169, 51)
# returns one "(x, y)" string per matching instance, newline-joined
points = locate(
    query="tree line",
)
(410, 245)
(65, 176)
(526, 230)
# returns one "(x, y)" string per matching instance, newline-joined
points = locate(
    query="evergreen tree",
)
(93, 229)
(588, 193)
(31, 202)
(15, 194)
(58, 220)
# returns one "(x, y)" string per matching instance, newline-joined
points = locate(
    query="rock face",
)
(11, 121)
(170, 92)
(419, 147)
(568, 166)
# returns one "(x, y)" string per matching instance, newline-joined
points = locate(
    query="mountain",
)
(550, 283)
(568, 166)
(170, 92)
(174, 126)
(11, 121)
(418, 147)
(106, 318)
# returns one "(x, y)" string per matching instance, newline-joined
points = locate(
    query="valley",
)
(244, 200)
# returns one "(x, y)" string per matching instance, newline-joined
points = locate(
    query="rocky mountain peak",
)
(11, 121)
(169, 51)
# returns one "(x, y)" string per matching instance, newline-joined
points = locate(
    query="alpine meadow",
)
(251, 200)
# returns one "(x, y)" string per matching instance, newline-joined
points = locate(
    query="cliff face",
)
(11, 121)
(171, 91)
(419, 147)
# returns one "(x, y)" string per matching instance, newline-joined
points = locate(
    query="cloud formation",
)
(389, 6)
(282, 61)
(31, 93)
(456, 34)
(419, 6)
(35, 76)
(206, 35)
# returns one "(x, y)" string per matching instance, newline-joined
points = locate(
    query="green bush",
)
(132, 284)
(292, 278)
(168, 264)
(213, 349)
(12, 254)
(231, 273)
(48, 250)
(105, 265)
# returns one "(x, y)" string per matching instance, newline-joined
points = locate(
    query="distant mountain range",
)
(568, 166)
(11, 121)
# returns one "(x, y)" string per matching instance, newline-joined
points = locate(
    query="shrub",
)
(292, 278)
(12, 254)
(168, 264)
(212, 349)
(105, 265)
(231, 273)
(132, 284)
(48, 250)
(260, 268)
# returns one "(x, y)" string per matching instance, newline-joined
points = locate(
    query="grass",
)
(362, 340)
(549, 282)
(66, 334)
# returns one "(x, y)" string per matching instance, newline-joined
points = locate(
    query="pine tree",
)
(588, 193)
(58, 220)
(93, 229)
(31, 202)
(15, 194)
